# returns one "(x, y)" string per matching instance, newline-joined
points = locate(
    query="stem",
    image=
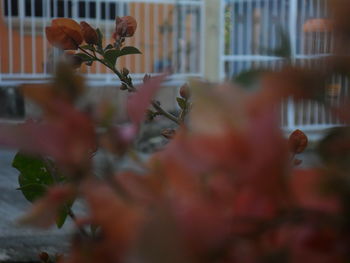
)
(183, 112)
(70, 212)
(115, 71)
(131, 87)
(165, 113)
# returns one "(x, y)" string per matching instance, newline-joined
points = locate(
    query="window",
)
(87, 9)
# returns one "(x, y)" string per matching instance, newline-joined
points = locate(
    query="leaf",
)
(109, 46)
(85, 57)
(33, 192)
(99, 40)
(47, 210)
(129, 51)
(181, 102)
(35, 178)
(284, 49)
(111, 56)
(33, 171)
(62, 216)
(88, 47)
(249, 78)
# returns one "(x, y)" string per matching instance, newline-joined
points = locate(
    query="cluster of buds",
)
(125, 27)
(126, 78)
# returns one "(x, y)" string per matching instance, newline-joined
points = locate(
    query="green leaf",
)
(284, 49)
(33, 171)
(129, 51)
(109, 46)
(99, 40)
(62, 216)
(111, 56)
(249, 78)
(33, 191)
(181, 102)
(88, 47)
(35, 178)
(85, 57)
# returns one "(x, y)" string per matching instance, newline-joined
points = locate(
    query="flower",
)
(64, 33)
(125, 27)
(89, 34)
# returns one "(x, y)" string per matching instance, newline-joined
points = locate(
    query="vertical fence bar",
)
(202, 37)
(183, 39)
(155, 46)
(21, 35)
(232, 47)
(46, 17)
(193, 45)
(290, 114)
(137, 38)
(166, 56)
(33, 16)
(175, 37)
(98, 24)
(147, 32)
(10, 35)
(106, 21)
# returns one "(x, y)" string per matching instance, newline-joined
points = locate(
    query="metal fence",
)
(170, 34)
(252, 28)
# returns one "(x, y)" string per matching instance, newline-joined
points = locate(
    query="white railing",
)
(252, 28)
(170, 34)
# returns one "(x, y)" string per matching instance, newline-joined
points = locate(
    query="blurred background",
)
(211, 39)
(215, 40)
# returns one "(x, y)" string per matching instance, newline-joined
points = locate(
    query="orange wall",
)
(136, 63)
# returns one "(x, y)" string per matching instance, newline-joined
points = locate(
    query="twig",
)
(70, 212)
(131, 87)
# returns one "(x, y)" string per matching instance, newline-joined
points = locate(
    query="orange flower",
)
(64, 33)
(125, 27)
(89, 34)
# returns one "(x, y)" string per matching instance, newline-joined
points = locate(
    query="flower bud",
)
(125, 27)
(89, 34)
(185, 91)
(125, 71)
(168, 133)
(123, 87)
(297, 142)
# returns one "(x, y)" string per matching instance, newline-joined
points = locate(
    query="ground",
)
(22, 244)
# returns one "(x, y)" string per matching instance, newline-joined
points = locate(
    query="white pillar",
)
(214, 31)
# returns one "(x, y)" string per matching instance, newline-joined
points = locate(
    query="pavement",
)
(23, 244)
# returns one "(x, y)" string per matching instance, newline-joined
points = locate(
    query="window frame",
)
(22, 20)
